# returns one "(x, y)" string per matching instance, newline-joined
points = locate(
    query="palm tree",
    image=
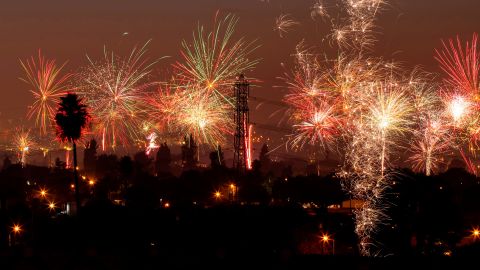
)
(71, 118)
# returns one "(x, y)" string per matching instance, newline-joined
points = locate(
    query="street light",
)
(325, 239)
(16, 229)
(476, 233)
(233, 189)
(218, 195)
(12, 236)
(43, 193)
(51, 206)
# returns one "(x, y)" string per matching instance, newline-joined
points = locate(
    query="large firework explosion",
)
(47, 83)
(114, 88)
(202, 94)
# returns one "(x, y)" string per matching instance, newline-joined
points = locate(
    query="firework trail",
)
(47, 83)
(378, 117)
(284, 24)
(114, 90)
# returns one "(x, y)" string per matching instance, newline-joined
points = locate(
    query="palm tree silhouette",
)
(71, 118)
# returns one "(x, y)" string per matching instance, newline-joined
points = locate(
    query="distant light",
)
(43, 193)
(91, 182)
(218, 194)
(166, 205)
(16, 228)
(72, 186)
(52, 206)
(325, 238)
(476, 233)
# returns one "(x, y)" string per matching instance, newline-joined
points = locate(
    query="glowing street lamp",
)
(43, 193)
(51, 206)
(325, 239)
(476, 233)
(218, 195)
(233, 189)
(16, 229)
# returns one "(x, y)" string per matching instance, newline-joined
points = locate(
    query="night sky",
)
(408, 32)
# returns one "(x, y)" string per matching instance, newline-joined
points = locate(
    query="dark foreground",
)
(94, 261)
(106, 236)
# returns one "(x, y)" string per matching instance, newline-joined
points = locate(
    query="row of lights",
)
(51, 204)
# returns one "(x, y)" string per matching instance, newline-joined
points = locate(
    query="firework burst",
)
(213, 60)
(23, 143)
(284, 24)
(113, 89)
(200, 99)
(206, 117)
(47, 83)
(460, 65)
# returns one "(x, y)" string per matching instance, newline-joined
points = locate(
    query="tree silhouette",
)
(90, 157)
(189, 153)
(163, 160)
(71, 118)
(126, 171)
(264, 158)
(6, 163)
(142, 163)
